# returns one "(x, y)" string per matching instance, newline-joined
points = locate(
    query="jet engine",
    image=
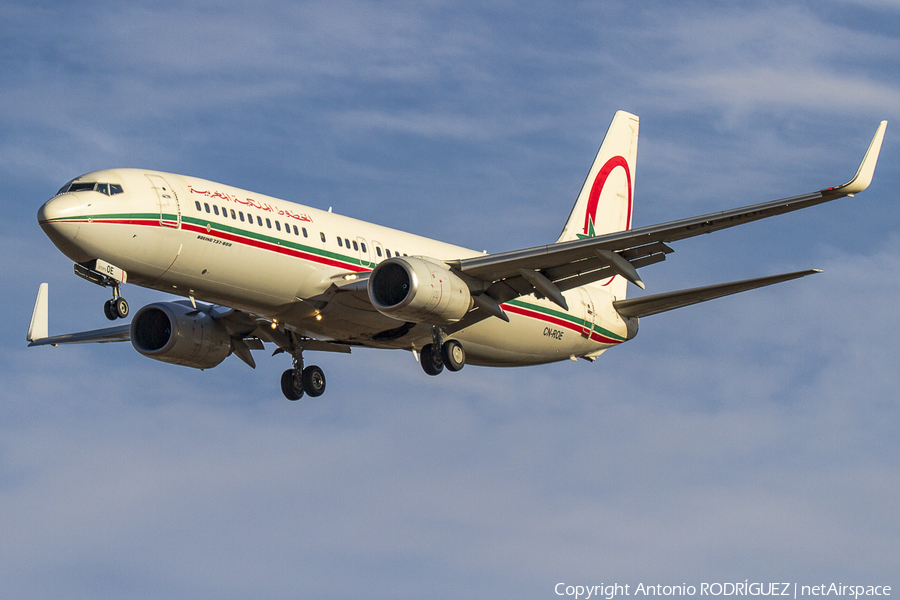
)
(179, 334)
(419, 291)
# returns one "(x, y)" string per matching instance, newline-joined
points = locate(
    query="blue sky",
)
(752, 437)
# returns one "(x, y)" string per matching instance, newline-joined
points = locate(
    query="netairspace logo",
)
(740, 588)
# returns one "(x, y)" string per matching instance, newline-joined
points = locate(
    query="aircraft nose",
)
(58, 208)
(60, 217)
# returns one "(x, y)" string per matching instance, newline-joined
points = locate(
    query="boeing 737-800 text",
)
(255, 269)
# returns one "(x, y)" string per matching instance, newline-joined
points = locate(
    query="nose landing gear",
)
(117, 307)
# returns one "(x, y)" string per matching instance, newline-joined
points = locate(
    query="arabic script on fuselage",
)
(252, 203)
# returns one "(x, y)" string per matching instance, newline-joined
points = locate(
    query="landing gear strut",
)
(439, 354)
(117, 307)
(297, 380)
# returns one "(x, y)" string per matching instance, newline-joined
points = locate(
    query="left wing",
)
(38, 330)
(247, 331)
(571, 264)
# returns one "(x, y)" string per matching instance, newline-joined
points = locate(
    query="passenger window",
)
(224, 212)
(197, 204)
(363, 245)
(206, 206)
(322, 235)
(340, 243)
(304, 232)
(378, 250)
(388, 253)
(278, 225)
(295, 230)
(268, 223)
(259, 220)
(216, 209)
(355, 245)
(115, 188)
(232, 214)
(241, 215)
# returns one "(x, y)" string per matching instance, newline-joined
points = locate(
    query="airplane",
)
(253, 269)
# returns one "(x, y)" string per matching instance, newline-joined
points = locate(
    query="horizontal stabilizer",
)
(657, 303)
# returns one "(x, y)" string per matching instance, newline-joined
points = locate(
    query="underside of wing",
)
(121, 333)
(574, 263)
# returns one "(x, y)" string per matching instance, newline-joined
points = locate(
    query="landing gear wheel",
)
(313, 381)
(454, 355)
(110, 311)
(291, 385)
(431, 361)
(120, 307)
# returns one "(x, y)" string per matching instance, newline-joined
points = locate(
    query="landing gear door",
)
(586, 313)
(169, 208)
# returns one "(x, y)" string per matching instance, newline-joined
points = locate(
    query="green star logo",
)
(590, 232)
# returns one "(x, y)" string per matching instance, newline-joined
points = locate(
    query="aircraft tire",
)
(109, 310)
(432, 362)
(314, 381)
(454, 355)
(121, 307)
(291, 386)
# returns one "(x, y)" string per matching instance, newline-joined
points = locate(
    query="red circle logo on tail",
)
(590, 215)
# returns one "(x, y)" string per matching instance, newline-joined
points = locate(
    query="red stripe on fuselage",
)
(247, 241)
(557, 321)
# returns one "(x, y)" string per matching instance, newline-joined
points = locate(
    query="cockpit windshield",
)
(110, 189)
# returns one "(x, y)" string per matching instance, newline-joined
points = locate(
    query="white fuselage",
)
(280, 260)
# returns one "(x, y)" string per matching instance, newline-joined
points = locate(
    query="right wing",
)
(571, 264)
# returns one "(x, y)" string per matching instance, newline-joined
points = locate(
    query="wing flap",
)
(645, 306)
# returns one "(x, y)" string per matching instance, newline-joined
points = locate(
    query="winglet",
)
(38, 328)
(863, 176)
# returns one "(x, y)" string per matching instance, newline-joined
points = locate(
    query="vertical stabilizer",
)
(606, 199)
(605, 202)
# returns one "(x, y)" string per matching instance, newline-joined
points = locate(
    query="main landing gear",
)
(297, 380)
(449, 354)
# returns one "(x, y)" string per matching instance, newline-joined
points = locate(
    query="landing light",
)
(274, 324)
(351, 277)
(318, 317)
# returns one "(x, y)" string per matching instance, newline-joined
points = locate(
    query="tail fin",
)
(606, 199)
(604, 204)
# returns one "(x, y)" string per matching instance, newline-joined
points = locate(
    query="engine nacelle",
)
(177, 333)
(416, 290)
